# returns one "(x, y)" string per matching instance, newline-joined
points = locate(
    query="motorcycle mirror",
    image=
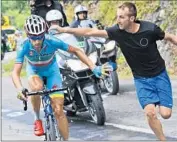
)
(109, 45)
(97, 21)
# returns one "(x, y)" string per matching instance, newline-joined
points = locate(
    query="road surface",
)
(125, 119)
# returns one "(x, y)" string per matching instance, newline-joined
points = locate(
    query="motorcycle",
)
(106, 52)
(83, 86)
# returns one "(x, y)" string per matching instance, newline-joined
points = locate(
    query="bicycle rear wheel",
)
(51, 132)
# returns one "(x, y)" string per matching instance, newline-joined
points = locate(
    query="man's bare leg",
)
(154, 122)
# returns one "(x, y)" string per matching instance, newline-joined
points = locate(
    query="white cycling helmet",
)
(80, 8)
(35, 25)
(54, 15)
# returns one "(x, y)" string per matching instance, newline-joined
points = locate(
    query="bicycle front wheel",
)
(51, 132)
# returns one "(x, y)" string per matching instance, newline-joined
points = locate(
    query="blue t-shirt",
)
(45, 58)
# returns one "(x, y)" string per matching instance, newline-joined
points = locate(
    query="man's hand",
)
(170, 37)
(58, 28)
(103, 70)
(21, 94)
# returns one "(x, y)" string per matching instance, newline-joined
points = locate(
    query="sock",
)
(36, 115)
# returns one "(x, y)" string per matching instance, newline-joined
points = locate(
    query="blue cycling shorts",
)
(156, 90)
(52, 75)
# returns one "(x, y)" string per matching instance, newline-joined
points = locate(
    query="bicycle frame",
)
(51, 127)
(49, 113)
(47, 105)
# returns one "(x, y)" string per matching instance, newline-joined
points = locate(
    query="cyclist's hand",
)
(21, 94)
(103, 70)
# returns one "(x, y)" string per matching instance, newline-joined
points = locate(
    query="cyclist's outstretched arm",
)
(81, 31)
(18, 66)
(170, 37)
(16, 75)
(82, 56)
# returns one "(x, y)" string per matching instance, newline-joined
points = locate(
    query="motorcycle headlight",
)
(110, 45)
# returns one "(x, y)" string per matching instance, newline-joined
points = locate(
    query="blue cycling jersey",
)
(44, 58)
(43, 63)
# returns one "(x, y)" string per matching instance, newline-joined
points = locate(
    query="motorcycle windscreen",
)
(77, 65)
(72, 40)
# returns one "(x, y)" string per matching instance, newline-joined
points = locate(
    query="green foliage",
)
(123, 68)
(8, 67)
(70, 13)
(19, 10)
(146, 7)
(19, 18)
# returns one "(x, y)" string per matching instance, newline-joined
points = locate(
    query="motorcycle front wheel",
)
(111, 83)
(96, 109)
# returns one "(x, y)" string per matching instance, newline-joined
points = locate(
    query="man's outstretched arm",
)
(81, 31)
(170, 37)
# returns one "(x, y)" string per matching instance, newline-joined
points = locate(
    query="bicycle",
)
(51, 128)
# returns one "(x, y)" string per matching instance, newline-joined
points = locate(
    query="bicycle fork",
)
(49, 116)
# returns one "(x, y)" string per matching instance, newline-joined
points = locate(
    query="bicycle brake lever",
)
(25, 105)
(25, 102)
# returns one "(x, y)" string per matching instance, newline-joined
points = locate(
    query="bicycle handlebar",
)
(45, 91)
(41, 93)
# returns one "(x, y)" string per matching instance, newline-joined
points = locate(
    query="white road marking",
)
(105, 95)
(132, 128)
(5, 110)
(15, 114)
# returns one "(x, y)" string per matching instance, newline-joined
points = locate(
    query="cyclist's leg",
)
(148, 98)
(36, 84)
(57, 101)
(165, 95)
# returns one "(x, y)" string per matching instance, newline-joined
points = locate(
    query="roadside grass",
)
(7, 68)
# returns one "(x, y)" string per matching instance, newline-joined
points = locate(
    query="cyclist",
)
(39, 51)
(81, 18)
(137, 40)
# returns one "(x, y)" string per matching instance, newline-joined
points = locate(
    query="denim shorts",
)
(156, 90)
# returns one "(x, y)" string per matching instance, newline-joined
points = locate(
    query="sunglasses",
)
(83, 12)
(32, 37)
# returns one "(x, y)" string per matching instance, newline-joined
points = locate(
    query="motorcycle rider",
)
(54, 17)
(41, 7)
(81, 18)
